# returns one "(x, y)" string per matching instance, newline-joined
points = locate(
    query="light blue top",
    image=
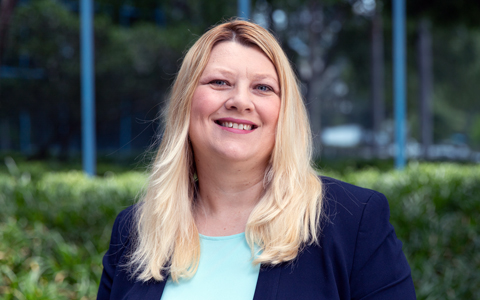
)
(225, 271)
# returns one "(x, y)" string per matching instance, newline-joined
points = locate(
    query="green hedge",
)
(435, 209)
(55, 227)
(54, 231)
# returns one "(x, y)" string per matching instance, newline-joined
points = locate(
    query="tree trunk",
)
(125, 144)
(6, 11)
(424, 48)
(5, 138)
(25, 133)
(377, 79)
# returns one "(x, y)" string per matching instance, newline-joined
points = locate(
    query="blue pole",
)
(399, 78)
(244, 9)
(88, 88)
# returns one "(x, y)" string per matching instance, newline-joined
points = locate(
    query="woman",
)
(233, 209)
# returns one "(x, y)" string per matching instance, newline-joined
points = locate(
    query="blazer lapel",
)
(267, 283)
(151, 290)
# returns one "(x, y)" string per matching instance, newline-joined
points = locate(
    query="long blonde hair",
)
(286, 218)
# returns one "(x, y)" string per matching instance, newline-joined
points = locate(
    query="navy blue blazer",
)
(358, 257)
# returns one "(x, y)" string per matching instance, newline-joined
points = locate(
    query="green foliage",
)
(55, 229)
(435, 210)
(475, 131)
(37, 263)
(55, 226)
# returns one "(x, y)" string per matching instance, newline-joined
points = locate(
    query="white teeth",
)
(236, 126)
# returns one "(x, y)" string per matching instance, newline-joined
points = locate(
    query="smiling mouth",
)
(236, 125)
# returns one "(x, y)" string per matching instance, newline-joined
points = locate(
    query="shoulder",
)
(122, 233)
(122, 228)
(346, 209)
(115, 279)
(347, 201)
(358, 255)
(358, 233)
(334, 188)
(354, 220)
(125, 218)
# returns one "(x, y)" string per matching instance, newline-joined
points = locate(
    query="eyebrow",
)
(222, 70)
(265, 76)
(256, 76)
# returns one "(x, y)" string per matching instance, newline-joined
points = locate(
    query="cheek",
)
(270, 113)
(203, 104)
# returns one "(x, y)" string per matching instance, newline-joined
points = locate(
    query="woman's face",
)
(235, 106)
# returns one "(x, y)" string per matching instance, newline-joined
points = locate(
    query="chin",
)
(243, 157)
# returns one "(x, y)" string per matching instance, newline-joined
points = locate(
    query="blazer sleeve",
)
(113, 257)
(380, 269)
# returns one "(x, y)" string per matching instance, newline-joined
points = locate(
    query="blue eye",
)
(218, 82)
(264, 88)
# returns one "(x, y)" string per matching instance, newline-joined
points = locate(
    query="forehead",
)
(234, 54)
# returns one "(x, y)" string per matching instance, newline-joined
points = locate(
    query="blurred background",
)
(341, 50)
(55, 222)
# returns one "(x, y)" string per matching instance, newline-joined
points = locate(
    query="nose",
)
(240, 99)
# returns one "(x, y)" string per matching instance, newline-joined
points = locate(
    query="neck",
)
(228, 192)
